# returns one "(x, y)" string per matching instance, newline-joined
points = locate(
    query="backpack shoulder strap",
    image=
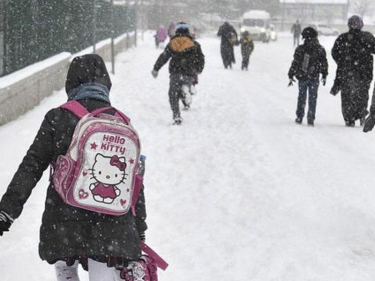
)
(79, 110)
(118, 113)
(75, 107)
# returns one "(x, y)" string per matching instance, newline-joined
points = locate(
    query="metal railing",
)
(33, 30)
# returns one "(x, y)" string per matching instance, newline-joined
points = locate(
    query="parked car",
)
(324, 29)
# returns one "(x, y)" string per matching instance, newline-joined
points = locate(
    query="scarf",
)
(90, 90)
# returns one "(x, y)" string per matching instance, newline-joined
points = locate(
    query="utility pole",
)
(283, 16)
(142, 18)
(136, 23)
(94, 27)
(112, 37)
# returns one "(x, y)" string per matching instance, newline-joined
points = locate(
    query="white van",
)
(257, 23)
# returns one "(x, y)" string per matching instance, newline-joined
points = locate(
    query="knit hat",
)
(182, 28)
(355, 22)
(309, 33)
(85, 69)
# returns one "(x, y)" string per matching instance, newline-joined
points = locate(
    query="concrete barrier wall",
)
(24, 89)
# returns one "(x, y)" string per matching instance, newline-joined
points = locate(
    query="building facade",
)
(327, 11)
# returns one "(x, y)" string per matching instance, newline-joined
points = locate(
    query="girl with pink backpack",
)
(70, 235)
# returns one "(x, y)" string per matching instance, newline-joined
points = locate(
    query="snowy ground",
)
(239, 191)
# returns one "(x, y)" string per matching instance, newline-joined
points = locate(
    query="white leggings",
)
(97, 271)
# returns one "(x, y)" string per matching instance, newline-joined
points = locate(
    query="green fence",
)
(33, 30)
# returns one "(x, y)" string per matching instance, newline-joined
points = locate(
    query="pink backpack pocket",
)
(63, 175)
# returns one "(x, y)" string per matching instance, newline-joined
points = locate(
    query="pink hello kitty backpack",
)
(99, 171)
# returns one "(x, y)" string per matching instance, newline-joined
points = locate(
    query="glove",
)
(142, 236)
(291, 80)
(154, 73)
(5, 222)
(369, 123)
(324, 80)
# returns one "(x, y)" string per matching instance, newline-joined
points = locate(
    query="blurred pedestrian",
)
(228, 39)
(171, 30)
(296, 31)
(247, 47)
(160, 36)
(352, 52)
(186, 61)
(310, 60)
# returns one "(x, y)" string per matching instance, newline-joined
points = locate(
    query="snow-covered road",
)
(239, 191)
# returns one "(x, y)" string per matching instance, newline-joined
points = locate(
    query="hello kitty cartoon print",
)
(108, 172)
(99, 171)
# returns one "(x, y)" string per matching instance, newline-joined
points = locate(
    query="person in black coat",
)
(247, 47)
(69, 235)
(186, 62)
(296, 31)
(310, 60)
(352, 51)
(229, 38)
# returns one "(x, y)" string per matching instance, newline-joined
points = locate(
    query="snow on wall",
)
(24, 89)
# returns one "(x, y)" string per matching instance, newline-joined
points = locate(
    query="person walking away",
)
(309, 61)
(186, 61)
(161, 36)
(247, 47)
(71, 235)
(229, 38)
(352, 52)
(296, 31)
(171, 30)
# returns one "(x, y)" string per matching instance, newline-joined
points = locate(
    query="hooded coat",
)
(247, 44)
(352, 51)
(309, 61)
(69, 233)
(185, 56)
(229, 38)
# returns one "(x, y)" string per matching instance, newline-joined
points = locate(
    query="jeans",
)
(175, 93)
(312, 87)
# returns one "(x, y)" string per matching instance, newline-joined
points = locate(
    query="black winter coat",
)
(228, 35)
(67, 231)
(309, 61)
(185, 54)
(352, 52)
(296, 29)
(247, 45)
